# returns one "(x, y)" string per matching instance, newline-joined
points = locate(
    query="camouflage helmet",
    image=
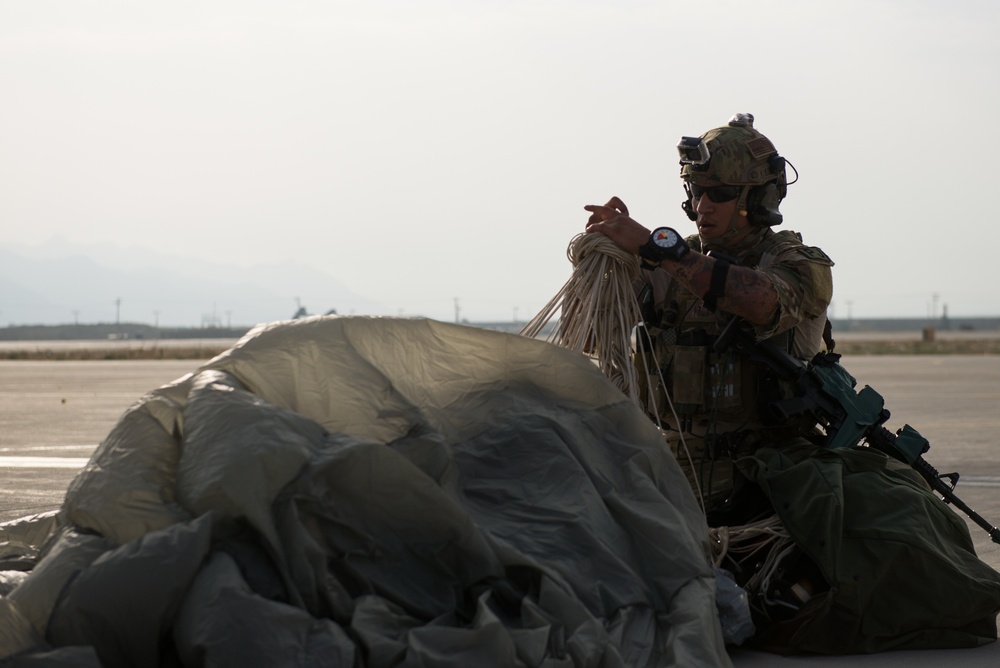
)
(735, 154)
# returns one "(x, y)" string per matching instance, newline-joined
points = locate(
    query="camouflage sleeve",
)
(803, 280)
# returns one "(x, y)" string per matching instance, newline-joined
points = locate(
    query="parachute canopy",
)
(365, 491)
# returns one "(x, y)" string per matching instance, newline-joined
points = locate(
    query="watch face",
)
(664, 237)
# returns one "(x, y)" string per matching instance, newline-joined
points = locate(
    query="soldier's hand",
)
(614, 204)
(612, 220)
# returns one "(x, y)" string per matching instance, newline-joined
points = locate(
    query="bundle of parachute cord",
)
(598, 313)
(598, 309)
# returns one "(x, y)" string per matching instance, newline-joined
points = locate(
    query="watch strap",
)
(647, 263)
(650, 252)
(717, 285)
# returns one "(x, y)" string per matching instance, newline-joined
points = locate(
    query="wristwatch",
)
(664, 244)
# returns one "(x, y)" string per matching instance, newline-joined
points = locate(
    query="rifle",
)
(824, 393)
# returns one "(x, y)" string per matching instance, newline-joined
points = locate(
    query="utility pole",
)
(458, 311)
(118, 316)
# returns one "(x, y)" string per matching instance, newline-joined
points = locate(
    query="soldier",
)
(736, 265)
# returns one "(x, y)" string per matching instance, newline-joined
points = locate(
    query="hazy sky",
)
(426, 151)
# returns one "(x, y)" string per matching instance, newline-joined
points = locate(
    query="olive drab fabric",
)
(348, 491)
(899, 567)
(716, 396)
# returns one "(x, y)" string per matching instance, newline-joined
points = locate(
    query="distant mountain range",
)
(63, 283)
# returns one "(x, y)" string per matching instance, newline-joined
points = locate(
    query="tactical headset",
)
(742, 157)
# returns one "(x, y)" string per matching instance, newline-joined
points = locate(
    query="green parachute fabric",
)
(376, 492)
(900, 563)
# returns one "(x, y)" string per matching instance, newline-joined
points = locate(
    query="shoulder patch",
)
(815, 254)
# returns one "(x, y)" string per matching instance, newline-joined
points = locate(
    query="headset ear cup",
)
(762, 205)
(777, 165)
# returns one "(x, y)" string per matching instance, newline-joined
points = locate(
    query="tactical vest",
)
(714, 394)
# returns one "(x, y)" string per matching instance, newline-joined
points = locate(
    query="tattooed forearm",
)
(751, 295)
(748, 294)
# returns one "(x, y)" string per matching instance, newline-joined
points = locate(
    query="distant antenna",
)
(211, 320)
(300, 310)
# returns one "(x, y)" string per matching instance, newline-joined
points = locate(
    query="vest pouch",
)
(689, 376)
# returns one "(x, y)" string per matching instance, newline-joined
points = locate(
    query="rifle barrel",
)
(933, 478)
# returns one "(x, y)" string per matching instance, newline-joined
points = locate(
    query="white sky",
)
(426, 151)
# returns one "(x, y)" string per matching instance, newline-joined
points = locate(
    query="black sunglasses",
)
(717, 194)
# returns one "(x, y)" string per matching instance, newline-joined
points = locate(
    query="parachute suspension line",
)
(598, 309)
(598, 314)
(654, 411)
(760, 546)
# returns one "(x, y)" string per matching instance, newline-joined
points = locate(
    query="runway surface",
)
(54, 413)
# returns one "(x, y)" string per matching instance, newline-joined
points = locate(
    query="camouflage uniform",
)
(715, 399)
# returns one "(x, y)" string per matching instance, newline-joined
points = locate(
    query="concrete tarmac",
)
(53, 415)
